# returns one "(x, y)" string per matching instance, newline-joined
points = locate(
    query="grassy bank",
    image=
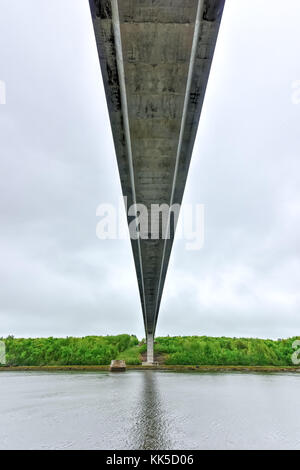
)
(200, 351)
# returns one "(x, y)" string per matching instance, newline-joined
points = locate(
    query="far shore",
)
(171, 353)
(174, 368)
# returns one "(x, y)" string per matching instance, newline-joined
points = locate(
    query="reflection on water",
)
(149, 410)
(150, 429)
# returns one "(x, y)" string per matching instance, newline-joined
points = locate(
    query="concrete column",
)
(150, 348)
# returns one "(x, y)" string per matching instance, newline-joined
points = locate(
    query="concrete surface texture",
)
(117, 366)
(155, 57)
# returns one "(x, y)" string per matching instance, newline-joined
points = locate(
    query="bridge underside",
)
(155, 57)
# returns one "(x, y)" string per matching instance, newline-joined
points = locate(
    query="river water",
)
(149, 410)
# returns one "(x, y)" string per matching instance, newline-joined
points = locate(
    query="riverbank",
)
(170, 353)
(161, 367)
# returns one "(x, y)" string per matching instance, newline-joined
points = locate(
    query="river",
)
(149, 410)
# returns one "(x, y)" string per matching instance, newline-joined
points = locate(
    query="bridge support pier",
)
(150, 350)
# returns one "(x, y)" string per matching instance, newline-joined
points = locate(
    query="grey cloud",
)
(57, 164)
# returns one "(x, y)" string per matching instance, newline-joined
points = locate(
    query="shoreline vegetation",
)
(199, 369)
(181, 353)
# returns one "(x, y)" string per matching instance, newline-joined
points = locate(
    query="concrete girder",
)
(155, 57)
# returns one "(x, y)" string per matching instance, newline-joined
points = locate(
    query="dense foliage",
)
(90, 350)
(178, 350)
(205, 350)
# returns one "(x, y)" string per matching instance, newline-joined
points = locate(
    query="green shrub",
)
(90, 350)
(202, 350)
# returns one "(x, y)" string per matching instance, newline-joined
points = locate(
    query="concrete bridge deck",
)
(155, 58)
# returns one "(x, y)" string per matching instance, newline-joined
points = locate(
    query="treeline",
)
(177, 350)
(90, 350)
(203, 350)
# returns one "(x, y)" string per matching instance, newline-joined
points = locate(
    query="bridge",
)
(155, 58)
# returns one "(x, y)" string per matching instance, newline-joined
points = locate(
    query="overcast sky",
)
(57, 164)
